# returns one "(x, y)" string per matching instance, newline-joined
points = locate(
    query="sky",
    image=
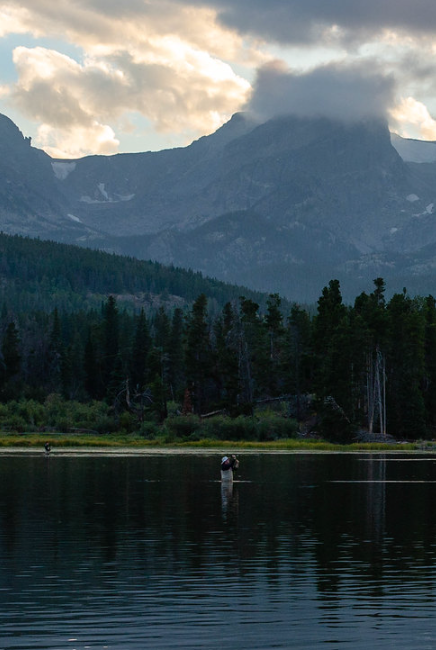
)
(109, 76)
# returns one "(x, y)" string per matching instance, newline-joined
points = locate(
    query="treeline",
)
(142, 367)
(368, 366)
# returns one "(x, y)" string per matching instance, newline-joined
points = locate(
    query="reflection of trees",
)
(167, 516)
(377, 533)
(351, 527)
(375, 498)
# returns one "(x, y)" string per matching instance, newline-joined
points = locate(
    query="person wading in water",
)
(228, 465)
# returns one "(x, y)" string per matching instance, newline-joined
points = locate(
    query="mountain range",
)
(282, 206)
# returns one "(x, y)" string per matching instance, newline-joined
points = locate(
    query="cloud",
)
(107, 26)
(13, 20)
(177, 88)
(78, 140)
(163, 62)
(49, 91)
(339, 91)
(412, 119)
(185, 66)
(295, 21)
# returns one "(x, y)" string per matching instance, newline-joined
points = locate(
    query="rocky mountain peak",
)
(282, 206)
(11, 136)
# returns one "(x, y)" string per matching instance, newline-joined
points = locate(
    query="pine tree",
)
(55, 354)
(276, 337)
(92, 376)
(198, 359)
(369, 325)
(429, 382)
(111, 344)
(405, 368)
(140, 353)
(250, 353)
(333, 378)
(72, 371)
(331, 345)
(176, 366)
(11, 352)
(299, 368)
(161, 329)
(227, 348)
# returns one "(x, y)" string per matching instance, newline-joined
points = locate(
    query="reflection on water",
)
(154, 552)
(226, 497)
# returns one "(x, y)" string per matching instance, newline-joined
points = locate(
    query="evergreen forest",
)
(91, 341)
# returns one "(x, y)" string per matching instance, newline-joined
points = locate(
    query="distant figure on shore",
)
(47, 448)
(228, 465)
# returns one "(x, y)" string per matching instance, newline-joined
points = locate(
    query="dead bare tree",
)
(376, 390)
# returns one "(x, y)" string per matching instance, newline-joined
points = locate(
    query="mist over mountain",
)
(282, 206)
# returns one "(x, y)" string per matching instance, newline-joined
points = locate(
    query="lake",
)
(148, 550)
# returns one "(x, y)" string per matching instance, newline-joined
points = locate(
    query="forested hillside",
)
(43, 275)
(88, 362)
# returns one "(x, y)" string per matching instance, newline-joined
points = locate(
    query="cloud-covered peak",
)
(336, 91)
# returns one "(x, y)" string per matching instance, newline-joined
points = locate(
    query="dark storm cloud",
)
(300, 21)
(346, 92)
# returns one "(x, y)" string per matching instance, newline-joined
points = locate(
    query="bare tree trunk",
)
(376, 390)
(370, 392)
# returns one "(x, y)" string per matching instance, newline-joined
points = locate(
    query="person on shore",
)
(228, 465)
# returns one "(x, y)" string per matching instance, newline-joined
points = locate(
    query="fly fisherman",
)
(228, 465)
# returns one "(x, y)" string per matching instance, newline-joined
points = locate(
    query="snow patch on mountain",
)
(103, 191)
(117, 198)
(63, 169)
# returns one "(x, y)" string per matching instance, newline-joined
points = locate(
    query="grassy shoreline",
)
(33, 441)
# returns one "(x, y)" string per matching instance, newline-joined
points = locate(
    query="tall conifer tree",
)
(111, 362)
(176, 366)
(199, 361)
(406, 368)
(429, 382)
(11, 352)
(140, 353)
(227, 349)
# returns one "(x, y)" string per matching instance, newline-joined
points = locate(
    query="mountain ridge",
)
(286, 205)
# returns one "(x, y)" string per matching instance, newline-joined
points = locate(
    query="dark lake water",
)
(307, 551)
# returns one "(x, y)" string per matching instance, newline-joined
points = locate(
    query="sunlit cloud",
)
(13, 20)
(78, 141)
(177, 88)
(184, 67)
(169, 63)
(413, 120)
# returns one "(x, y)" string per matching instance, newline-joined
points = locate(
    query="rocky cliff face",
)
(31, 202)
(282, 206)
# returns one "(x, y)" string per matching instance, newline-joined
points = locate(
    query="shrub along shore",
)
(28, 424)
